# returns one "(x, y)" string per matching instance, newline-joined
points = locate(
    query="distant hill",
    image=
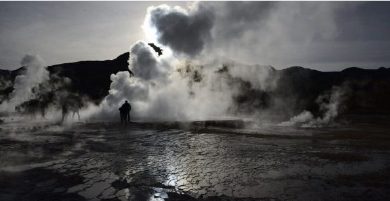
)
(365, 90)
(90, 78)
(368, 90)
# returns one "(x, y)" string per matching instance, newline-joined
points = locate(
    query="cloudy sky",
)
(321, 35)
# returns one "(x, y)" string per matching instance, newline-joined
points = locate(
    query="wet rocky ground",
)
(193, 161)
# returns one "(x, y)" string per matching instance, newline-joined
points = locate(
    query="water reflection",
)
(150, 164)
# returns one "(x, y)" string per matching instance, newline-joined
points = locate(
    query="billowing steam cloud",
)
(329, 106)
(144, 62)
(184, 31)
(149, 74)
(248, 32)
(201, 79)
(275, 33)
(35, 74)
(161, 90)
(172, 88)
(169, 88)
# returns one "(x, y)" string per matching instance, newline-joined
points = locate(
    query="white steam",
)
(34, 74)
(169, 89)
(329, 106)
(277, 33)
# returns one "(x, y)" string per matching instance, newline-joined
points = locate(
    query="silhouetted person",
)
(124, 111)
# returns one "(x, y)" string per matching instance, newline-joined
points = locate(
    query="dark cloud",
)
(183, 31)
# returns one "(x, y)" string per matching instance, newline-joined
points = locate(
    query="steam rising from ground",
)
(35, 74)
(194, 83)
(178, 91)
(172, 87)
(329, 106)
(188, 85)
(40, 95)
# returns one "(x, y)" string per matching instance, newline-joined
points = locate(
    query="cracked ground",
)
(141, 161)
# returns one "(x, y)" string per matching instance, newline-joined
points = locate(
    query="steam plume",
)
(329, 105)
(35, 74)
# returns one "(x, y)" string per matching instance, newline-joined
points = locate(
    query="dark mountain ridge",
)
(89, 78)
(367, 90)
(364, 90)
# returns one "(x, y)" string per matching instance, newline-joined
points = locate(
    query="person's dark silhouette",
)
(124, 111)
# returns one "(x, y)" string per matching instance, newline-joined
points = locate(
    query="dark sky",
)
(322, 35)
